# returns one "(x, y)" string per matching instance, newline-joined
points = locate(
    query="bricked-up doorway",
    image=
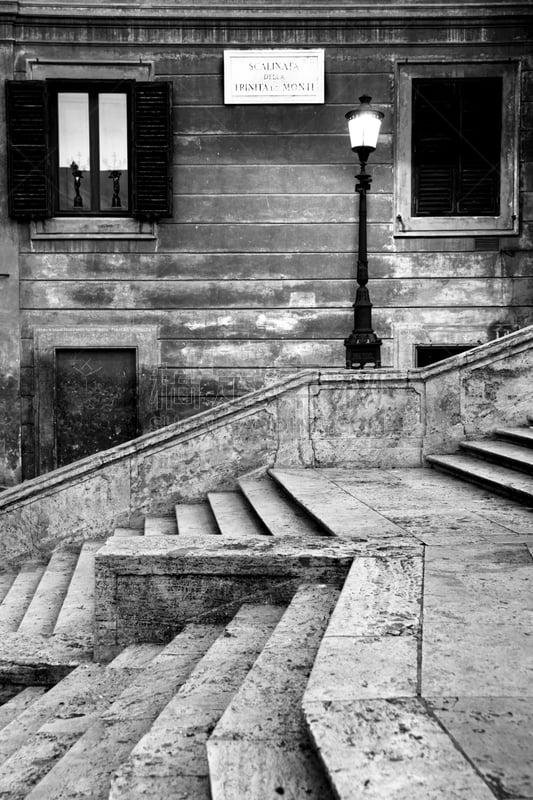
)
(95, 400)
(103, 397)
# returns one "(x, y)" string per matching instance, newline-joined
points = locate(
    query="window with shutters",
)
(456, 149)
(89, 149)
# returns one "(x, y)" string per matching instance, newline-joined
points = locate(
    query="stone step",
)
(85, 770)
(19, 596)
(523, 436)
(160, 525)
(505, 453)
(18, 703)
(45, 605)
(76, 617)
(260, 747)
(277, 512)
(336, 510)
(6, 581)
(234, 516)
(501, 480)
(171, 759)
(128, 532)
(195, 519)
(37, 738)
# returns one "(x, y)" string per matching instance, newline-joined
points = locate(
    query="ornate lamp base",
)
(361, 349)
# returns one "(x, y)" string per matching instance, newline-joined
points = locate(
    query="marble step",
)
(337, 511)
(523, 436)
(171, 759)
(260, 747)
(234, 516)
(501, 480)
(37, 738)
(76, 616)
(45, 605)
(17, 704)
(85, 770)
(505, 453)
(6, 581)
(128, 532)
(160, 525)
(281, 516)
(18, 598)
(195, 519)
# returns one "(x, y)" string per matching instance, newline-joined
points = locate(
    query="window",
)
(89, 149)
(456, 149)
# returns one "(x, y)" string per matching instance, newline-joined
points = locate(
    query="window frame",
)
(506, 222)
(92, 88)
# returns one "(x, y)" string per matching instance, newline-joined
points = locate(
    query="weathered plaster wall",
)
(9, 304)
(253, 277)
(363, 419)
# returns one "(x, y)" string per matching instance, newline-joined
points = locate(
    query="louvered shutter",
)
(456, 147)
(433, 147)
(478, 182)
(152, 150)
(27, 150)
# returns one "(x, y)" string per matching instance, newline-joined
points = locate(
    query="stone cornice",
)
(204, 11)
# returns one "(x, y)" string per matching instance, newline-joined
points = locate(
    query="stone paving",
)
(423, 684)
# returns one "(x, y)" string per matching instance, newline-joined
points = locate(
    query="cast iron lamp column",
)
(363, 345)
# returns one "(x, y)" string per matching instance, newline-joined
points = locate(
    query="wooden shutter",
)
(456, 147)
(27, 150)
(478, 181)
(433, 148)
(152, 150)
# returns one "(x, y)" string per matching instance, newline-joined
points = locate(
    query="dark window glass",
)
(457, 128)
(92, 150)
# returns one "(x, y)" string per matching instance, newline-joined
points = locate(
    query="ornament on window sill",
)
(77, 175)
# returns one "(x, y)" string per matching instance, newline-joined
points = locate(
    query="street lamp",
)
(363, 345)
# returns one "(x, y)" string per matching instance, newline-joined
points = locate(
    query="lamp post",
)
(363, 345)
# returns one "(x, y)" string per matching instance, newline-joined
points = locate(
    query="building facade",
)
(174, 237)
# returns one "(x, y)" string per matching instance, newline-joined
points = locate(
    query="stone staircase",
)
(503, 464)
(274, 700)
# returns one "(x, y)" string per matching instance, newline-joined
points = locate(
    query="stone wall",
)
(379, 418)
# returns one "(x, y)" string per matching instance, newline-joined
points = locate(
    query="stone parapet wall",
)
(374, 418)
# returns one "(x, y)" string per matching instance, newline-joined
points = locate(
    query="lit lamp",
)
(363, 346)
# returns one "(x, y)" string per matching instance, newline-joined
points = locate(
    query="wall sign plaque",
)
(274, 76)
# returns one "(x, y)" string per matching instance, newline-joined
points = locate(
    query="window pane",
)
(113, 135)
(74, 153)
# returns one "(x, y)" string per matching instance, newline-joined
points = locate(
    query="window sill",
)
(458, 226)
(76, 228)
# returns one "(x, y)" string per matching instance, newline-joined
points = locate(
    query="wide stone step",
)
(76, 617)
(234, 516)
(334, 508)
(85, 770)
(160, 525)
(6, 581)
(37, 738)
(19, 596)
(45, 605)
(505, 453)
(522, 436)
(260, 747)
(195, 519)
(17, 704)
(128, 532)
(171, 759)
(498, 479)
(281, 516)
